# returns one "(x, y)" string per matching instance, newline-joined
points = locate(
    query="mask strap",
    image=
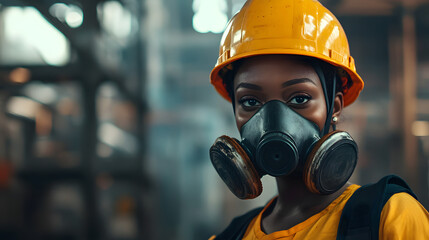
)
(331, 112)
(233, 104)
(329, 104)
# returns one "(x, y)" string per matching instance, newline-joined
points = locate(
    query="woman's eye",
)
(250, 103)
(301, 99)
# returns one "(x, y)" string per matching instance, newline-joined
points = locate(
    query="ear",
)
(338, 106)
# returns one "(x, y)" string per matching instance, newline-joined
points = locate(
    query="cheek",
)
(240, 119)
(315, 113)
(241, 116)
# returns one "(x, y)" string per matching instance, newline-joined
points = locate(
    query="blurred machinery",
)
(72, 83)
(389, 39)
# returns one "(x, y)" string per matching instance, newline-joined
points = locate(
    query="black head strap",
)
(329, 101)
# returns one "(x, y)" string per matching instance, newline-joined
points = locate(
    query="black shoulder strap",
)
(237, 228)
(360, 218)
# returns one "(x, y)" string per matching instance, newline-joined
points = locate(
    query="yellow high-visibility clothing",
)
(402, 217)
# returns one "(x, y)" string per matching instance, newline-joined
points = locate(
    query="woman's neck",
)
(295, 204)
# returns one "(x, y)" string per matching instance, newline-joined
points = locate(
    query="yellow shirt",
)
(402, 218)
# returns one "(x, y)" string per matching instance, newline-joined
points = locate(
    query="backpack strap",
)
(237, 228)
(360, 218)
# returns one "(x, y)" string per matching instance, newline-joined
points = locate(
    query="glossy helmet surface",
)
(296, 27)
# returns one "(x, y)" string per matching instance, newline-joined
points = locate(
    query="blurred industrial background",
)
(107, 114)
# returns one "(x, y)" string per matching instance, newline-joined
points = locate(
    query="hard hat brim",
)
(349, 97)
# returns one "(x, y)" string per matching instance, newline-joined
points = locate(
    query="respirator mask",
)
(278, 141)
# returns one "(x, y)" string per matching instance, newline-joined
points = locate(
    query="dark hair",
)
(343, 82)
(228, 73)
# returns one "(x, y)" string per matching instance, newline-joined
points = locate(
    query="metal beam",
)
(409, 86)
(44, 73)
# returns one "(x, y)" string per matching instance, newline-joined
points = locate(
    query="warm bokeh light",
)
(420, 128)
(43, 122)
(20, 75)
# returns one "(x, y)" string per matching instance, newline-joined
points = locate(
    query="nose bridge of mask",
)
(275, 119)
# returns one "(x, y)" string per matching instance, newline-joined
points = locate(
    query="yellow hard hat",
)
(298, 27)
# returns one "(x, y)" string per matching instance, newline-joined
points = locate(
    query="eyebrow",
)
(248, 85)
(296, 81)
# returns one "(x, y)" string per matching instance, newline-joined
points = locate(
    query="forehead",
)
(274, 69)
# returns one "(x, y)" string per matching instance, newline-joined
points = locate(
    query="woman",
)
(286, 68)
